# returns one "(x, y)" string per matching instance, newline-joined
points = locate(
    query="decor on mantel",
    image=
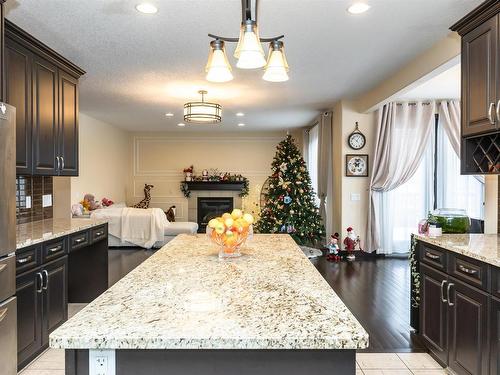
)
(188, 173)
(230, 232)
(249, 51)
(212, 179)
(202, 112)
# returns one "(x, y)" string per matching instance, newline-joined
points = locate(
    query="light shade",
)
(358, 8)
(277, 66)
(249, 51)
(218, 68)
(202, 112)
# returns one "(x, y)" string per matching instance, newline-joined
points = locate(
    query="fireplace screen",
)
(208, 208)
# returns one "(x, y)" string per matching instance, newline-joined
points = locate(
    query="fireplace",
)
(208, 208)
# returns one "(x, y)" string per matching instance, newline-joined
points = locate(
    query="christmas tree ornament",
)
(287, 199)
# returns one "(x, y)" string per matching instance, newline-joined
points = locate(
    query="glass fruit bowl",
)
(230, 231)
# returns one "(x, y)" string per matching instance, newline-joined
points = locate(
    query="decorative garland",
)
(245, 190)
(415, 275)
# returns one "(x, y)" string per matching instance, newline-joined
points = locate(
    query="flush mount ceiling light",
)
(202, 112)
(358, 8)
(240, 114)
(249, 51)
(146, 8)
(169, 114)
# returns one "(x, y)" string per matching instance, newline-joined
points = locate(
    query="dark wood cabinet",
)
(18, 63)
(45, 115)
(42, 296)
(495, 336)
(43, 86)
(433, 312)
(468, 328)
(29, 315)
(68, 124)
(479, 78)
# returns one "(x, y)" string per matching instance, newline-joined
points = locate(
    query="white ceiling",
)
(445, 85)
(141, 66)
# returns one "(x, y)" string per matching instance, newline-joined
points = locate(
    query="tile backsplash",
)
(30, 194)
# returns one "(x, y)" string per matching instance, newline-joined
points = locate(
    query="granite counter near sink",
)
(39, 231)
(483, 247)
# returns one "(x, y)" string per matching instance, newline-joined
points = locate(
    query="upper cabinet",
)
(43, 86)
(480, 32)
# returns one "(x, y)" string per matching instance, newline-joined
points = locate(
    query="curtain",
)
(403, 134)
(325, 166)
(449, 118)
(312, 157)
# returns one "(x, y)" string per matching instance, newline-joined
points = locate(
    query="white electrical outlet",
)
(28, 201)
(102, 362)
(355, 197)
(47, 200)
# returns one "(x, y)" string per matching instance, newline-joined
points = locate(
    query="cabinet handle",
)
(467, 270)
(428, 254)
(58, 163)
(24, 260)
(2, 267)
(490, 114)
(40, 278)
(3, 314)
(62, 159)
(443, 299)
(498, 112)
(97, 234)
(80, 240)
(448, 294)
(55, 249)
(46, 286)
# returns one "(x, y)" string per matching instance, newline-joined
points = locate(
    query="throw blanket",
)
(135, 225)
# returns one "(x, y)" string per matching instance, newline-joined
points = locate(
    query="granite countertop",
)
(44, 230)
(184, 297)
(483, 247)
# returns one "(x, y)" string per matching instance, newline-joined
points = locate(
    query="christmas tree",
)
(290, 202)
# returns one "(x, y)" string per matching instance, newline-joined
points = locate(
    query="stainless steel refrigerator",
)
(8, 303)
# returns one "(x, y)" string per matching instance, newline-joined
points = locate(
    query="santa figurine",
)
(350, 243)
(333, 248)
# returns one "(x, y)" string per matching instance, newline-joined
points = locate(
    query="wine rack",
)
(481, 155)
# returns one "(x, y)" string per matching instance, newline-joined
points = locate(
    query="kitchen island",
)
(183, 311)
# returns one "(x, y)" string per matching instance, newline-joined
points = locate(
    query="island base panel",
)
(222, 362)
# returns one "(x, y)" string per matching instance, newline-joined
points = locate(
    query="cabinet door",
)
(45, 117)
(433, 311)
(479, 54)
(55, 296)
(18, 62)
(495, 336)
(68, 124)
(468, 329)
(29, 315)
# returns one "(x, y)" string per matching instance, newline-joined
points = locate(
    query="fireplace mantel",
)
(215, 185)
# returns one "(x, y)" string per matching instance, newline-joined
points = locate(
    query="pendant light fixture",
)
(202, 112)
(249, 51)
(277, 66)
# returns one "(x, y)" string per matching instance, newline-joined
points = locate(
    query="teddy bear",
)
(89, 203)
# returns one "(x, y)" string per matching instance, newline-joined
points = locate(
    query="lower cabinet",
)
(495, 336)
(41, 307)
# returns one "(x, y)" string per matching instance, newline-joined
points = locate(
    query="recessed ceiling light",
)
(181, 124)
(358, 8)
(240, 114)
(146, 8)
(169, 114)
(241, 124)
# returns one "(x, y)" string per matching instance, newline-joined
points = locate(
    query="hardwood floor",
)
(377, 291)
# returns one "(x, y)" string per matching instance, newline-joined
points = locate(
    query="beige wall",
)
(491, 204)
(159, 158)
(104, 161)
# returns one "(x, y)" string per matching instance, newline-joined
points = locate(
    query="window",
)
(436, 184)
(312, 158)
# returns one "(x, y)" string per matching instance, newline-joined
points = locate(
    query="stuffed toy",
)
(333, 248)
(171, 214)
(89, 203)
(107, 202)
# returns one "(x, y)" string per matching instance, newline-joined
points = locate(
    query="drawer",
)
(79, 240)
(7, 277)
(99, 233)
(27, 258)
(54, 249)
(433, 256)
(495, 281)
(472, 271)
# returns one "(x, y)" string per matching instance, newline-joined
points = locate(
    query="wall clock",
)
(356, 139)
(356, 165)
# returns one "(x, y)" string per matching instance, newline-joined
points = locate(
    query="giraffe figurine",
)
(147, 197)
